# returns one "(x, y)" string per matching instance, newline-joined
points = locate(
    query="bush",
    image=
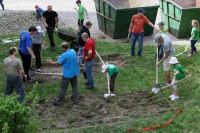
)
(16, 117)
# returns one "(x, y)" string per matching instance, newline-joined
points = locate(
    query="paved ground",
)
(69, 16)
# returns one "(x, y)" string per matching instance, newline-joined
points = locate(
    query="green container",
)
(114, 16)
(178, 14)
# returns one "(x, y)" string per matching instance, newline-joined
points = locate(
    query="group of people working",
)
(166, 49)
(31, 40)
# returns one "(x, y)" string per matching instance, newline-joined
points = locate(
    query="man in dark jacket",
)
(50, 19)
(81, 43)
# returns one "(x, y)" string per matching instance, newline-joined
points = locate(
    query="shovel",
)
(127, 39)
(156, 88)
(184, 50)
(108, 94)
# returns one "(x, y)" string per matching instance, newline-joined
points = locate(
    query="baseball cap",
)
(36, 6)
(157, 37)
(141, 10)
(39, 29)
(104, 67)
(160, 23)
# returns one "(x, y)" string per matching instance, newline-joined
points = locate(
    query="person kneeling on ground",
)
(39, 12)
(179, 73)
(70, 72)
(112, 70)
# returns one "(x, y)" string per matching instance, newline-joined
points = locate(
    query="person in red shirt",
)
(89, 55)
(137, 31)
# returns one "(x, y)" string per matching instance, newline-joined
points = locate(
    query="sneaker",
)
(190, 55)
(175, 98)
(194, 52)
(86, 83)
(38, 70)
(89, 88)
(57, 103)
(171, 96)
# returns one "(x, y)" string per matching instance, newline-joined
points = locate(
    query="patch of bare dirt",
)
(93, 109)
(40, 77)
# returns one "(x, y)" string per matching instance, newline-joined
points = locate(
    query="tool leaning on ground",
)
(157, 86)
(184, 50)
(108, 94)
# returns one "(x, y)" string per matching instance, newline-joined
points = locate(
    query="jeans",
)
(50, 34)
(2, 5)
(26, 60)
(80, 55)
(64, 86)
(135, 36)
(17, 83)
(37, 53)
(88, 70)
(193, 48)
(112, 81)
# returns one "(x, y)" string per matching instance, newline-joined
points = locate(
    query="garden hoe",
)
(108, 94)
(156, 88)
(184, 50)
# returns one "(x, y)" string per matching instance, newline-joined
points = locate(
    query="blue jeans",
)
(193, 48)
(80, 55)
(17, 83)
(88, 70)
(135, 36)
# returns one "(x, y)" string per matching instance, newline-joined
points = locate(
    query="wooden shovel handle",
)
(175, 82)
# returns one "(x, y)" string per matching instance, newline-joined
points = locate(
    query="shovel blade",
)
(155, 90)
(107, 95)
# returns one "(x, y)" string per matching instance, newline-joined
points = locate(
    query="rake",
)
(186, 49)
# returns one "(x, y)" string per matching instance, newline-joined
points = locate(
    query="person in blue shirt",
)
(39, 12)
(70, 72)
(25, 48)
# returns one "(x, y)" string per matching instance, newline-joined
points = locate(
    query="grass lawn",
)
(132, 78)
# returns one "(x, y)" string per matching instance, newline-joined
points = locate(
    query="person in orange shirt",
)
(137, 31)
